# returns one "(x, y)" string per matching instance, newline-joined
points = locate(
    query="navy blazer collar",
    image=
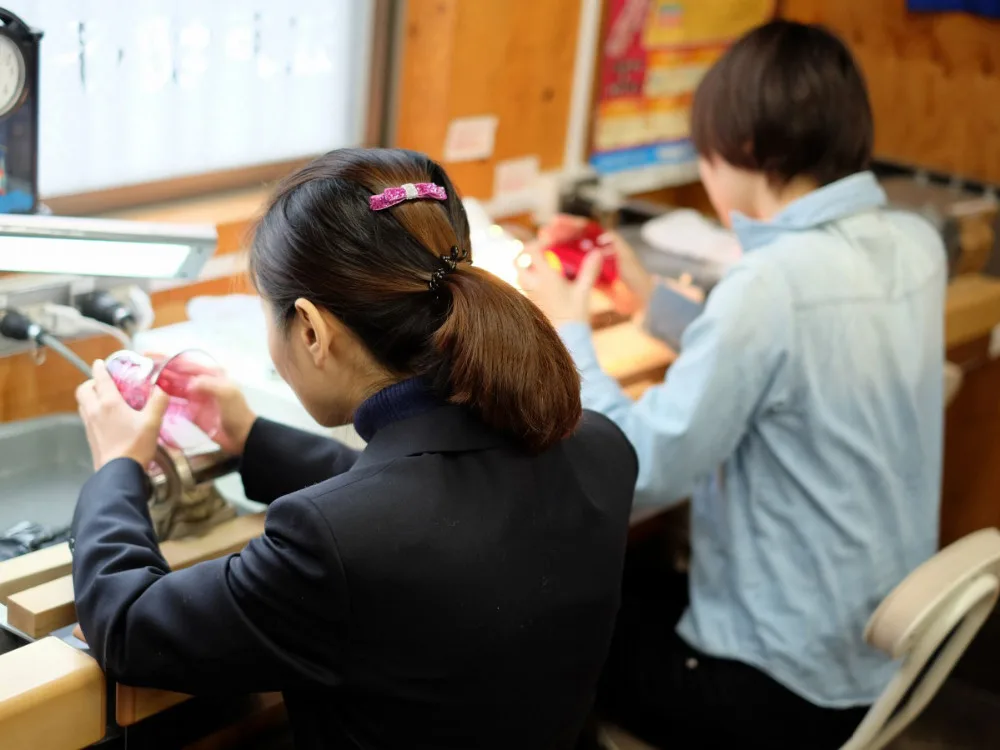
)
(447, 429)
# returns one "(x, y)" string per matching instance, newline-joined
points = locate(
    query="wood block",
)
(224, 539)
(135, 704)
(972, 308)
(52, 697)
(40, 610)
(33, 569)
(630, 355)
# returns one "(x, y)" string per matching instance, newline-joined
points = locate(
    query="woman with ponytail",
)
(454, 584)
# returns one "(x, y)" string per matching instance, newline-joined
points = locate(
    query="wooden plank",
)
(42, 609)
(972, 309)
(52, 697)
(630, 355)
(233, 214)
(33, 569)
(225, 539)
(135, 704)
(178, 190)
(230, 207)
(972, 445)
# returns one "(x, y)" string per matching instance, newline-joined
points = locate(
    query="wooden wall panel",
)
(972, 445)
(934, 81)
(513, 60)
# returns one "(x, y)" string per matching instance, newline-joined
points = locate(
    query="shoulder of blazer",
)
(599, 433)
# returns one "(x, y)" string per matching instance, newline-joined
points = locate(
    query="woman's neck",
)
(772, 200)
(400, 401)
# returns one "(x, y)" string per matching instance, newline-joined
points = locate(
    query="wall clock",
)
(18, 114)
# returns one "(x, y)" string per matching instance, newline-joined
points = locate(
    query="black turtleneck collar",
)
(402, 400)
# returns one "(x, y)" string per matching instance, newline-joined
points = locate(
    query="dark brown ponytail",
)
(483, 344)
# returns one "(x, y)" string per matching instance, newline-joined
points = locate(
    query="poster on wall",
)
(987, 8)
(652, 57)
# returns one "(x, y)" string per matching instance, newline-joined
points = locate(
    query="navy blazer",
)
(440, 589)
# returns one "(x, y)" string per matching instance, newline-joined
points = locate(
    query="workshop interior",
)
(141, 142)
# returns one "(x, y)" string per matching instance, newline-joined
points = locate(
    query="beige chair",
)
(927, 622)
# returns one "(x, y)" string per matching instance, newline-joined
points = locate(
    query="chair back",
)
(927, 622)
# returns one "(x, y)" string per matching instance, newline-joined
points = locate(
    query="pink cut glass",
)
(136, 376)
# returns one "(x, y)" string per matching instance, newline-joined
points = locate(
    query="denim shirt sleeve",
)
(684, 428)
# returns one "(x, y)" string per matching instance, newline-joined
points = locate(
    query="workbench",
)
(49, 677)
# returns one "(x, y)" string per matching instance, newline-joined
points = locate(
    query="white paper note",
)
(470, 138)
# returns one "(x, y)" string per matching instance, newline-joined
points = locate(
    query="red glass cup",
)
(567, 253)
(190, 417)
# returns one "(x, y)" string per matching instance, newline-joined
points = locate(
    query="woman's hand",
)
(635, 284)
(115, 429)
(235, 415)
(562, 301)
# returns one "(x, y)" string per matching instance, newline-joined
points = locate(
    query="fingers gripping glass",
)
(191, 417)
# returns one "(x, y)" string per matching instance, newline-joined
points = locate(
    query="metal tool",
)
(183, 499)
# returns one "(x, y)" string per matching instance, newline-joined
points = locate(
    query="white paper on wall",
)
(141, 90)
(470, 138)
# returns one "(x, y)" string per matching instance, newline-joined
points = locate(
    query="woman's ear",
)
(312, 330)
(321, 334)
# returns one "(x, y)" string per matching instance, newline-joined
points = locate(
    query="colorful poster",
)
(988, 8)
(654, 54)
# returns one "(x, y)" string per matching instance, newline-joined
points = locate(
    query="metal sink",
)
(43, 464)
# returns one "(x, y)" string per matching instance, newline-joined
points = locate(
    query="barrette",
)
(393, 196)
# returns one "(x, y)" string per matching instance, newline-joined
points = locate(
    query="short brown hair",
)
(480, 342)
(787, 100)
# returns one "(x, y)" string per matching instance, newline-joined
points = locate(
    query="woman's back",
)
(480, 586)
(453, 586)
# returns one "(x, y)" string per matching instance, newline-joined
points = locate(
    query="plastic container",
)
(567, 256)
(190, 418)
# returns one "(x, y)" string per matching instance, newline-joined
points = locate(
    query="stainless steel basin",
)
(43, 464)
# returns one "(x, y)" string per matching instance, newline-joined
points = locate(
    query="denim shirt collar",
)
(849, 195)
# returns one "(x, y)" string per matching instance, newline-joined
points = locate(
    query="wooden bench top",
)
(52, 697)
(39, 591)
(39, 610)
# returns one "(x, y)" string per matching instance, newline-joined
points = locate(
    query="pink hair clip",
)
(395, 195)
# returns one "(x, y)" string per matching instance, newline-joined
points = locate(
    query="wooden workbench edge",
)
(52, 697)
(972, 308)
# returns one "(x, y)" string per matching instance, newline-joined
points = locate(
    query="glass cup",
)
(190, 418)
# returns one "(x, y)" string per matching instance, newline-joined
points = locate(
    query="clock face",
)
(12, 74)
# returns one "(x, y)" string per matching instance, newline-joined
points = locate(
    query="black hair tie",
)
(449, 264)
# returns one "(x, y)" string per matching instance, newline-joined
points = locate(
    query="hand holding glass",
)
(136, 376)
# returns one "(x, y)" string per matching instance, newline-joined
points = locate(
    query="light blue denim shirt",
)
(804, 419)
